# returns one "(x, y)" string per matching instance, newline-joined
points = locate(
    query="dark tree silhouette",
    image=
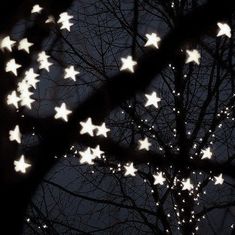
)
(195, 112)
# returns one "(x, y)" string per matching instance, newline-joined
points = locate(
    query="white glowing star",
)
(128, 64)
(15, 135)
(187, 185)
(87, 127)
(13, 99)
(62, 112)
(64, 20)
(21, 165)
(50, 19)
(224, 29)
(144, 144)
(70, 72)
(159, 179)
(97, 152)
(12, 66)
(193, 56)
(206, 153)
(153, 40)
(24, 44)
(30, 77)
(45, 64)
(219, 179)
(36, 9)
(87, 156)
(7, 43)
(152, 99)
(130, 169)
(102, 130)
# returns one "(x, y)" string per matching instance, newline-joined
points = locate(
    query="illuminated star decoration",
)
(7, 43)
(24, 44)
(128, 64)
(193, 56)
(159, 179)
(87, 156)
(152, 99)
(187, 185)
(36, 9)
(70, 72)
(102, 130)
(219, 179)
(12, 66)
(97, 152)
(206, 153)
(144, 144)
(43, 61)
(87, 127)
(62, 112)
(13, 99)
(130, 169)
(30, 78)
(153, 40)
(224, 29)
(64, 20)
(15, 135)
(21, 165)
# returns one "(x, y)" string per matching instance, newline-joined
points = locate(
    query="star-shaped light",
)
(7, 43)
(21, 165)
(130, 169)
(12, 66)
(219, 179)
(152, 99)
(144, 144)
(45, 64)
(62, 112)
(206, 153)
(97, 152)
(187, 185)
(70, 72)
(87, 156)
(13, 99)
(87, 127)
(128, 64)
(26, 100)
(159, 179)
(193, 56)
(30, 77)
(153, 40)
(15, 135)
(64, 20)
(36, 9)
(50, 19)
(24, 44)
(224, 29)
(102, 130)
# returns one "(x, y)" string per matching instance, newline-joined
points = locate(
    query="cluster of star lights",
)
(22, 97)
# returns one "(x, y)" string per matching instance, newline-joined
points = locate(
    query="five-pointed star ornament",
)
(87, 156)
(128, 64)
(159, 179)
(130, 169)
(219, 179)
(193, 56)
(224, 29)
(206, 153)
(187, 185)
(36, 9)
(153, 40)
(62, 112)
(21, 165)
(70, 72)
(152, 99)
(102, 130)
(30, 78)
(12, 66)
(97, 152)
(24, 44)
(13, 99)
(7, 43)
(144, 144)
(15, 135)
(87, 127)
(64, 20)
